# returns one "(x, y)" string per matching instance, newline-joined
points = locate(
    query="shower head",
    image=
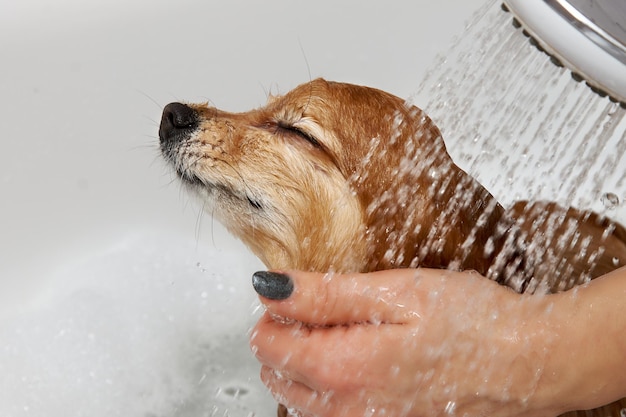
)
(587, 37)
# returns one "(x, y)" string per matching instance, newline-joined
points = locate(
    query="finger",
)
(332, 299)
(328, 358)
(295, 395)
(308, 402)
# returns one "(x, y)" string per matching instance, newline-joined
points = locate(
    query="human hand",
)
(403, 343)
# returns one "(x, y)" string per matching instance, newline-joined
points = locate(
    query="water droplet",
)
(328, 277)
(610, 201)
(489, 247)
(235, 392)
(370, 412)
(616, 263)
(326, 396)
(450, 407)
(622, 412)
(293, 412)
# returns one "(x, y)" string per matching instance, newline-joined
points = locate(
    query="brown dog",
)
(340, 177)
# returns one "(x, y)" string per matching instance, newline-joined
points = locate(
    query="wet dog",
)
(334, 176)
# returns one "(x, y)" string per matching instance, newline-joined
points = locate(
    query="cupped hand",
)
(402, 343)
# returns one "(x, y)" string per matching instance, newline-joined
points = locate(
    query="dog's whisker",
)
(199, 222)
(150, 98)
(151, 120)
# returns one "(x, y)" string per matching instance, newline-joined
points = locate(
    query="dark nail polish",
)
(272, 285)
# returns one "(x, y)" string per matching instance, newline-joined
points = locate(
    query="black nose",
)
(177, 122)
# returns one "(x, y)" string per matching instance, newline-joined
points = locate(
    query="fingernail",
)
(272, 285)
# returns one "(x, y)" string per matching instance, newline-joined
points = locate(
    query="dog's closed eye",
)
(292, 129)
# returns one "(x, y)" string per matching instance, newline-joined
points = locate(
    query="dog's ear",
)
(421, 208)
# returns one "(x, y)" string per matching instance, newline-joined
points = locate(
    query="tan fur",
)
(340, 177)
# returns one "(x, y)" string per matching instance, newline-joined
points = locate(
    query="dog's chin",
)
(265, 223)
(192, 181)
(218, 196)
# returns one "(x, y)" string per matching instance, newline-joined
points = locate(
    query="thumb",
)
(335, 299)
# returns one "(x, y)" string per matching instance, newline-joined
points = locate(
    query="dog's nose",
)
(177, 122)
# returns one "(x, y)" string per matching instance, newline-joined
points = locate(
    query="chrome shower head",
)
(586, 36)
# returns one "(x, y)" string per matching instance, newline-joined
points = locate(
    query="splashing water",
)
(610, 201)
(521, 125)
(526, 131)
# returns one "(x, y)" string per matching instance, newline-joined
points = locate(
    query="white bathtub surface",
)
(152, 326)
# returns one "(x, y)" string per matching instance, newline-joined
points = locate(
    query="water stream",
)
(521, 125)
